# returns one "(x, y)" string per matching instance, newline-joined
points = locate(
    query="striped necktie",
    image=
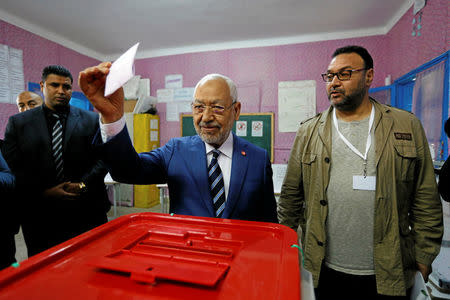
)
(216, 184)
(57, 148)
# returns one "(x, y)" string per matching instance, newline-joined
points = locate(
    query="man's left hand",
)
(425, 270)
(73, 187)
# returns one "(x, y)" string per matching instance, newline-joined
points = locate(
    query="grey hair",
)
(231, 85)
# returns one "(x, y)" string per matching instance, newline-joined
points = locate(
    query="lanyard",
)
(369, 138)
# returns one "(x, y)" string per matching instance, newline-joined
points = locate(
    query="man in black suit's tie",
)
(56, 199)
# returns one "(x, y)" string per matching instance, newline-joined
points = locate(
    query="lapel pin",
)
(243, 153)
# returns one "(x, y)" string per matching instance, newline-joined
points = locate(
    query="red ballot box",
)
(158, 256)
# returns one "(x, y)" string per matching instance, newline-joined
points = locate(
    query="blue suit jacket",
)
(182, 164)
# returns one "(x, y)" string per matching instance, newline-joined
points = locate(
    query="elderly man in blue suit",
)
(212, 174)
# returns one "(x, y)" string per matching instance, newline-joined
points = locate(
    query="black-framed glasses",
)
(199, 108)
(342, 75)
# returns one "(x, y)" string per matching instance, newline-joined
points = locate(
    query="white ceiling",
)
(105, 28)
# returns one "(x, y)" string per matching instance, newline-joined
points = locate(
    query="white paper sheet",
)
(174, 81)
(153, 136)
(121, 71)
(184, 107)
(241, 128)
(172, 112)
(11, 74)
(153, 124)
(307, 285)
(108, 179)
(144, 104)
(184, 94)
(164, 95)
(4, 75)
(279, 171)
(296, 103)
(131, 88)
(144, 88)
(257, 128)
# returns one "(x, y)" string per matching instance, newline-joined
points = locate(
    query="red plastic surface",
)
(158, 256)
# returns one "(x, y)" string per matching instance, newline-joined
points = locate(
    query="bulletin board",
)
(265, 141)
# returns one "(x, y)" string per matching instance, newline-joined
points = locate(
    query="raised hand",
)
(92, 82)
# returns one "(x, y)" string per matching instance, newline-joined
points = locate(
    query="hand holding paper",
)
(94, 82)
(121, 71)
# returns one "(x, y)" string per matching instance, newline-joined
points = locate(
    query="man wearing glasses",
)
(360, 190)
(212, 174)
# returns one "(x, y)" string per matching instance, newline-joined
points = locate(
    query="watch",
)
(82, 187)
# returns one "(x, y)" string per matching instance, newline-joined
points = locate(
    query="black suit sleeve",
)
(96, 174)
(12, 155)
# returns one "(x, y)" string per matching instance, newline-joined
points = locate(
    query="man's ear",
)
(237, 110)
(42, 86)
(369, 77)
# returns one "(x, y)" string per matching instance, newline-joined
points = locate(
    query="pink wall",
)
(38, 53)
(259, 68)
(408, 52)
(395, 53)
(262, 67)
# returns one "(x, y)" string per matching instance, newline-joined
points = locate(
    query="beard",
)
(214, 139)
(61, 106)
(349, 102)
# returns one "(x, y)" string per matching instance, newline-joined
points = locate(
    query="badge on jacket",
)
(403, 136)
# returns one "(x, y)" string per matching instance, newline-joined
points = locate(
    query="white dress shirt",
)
(225, 158)
(110, 130)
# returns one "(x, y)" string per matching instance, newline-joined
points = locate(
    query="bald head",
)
(28, 100)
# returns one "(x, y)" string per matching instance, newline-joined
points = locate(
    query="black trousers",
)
(338, 285)
(7, 249)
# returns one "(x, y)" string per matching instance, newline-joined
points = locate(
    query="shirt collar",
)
(62, 114)
(226, 148)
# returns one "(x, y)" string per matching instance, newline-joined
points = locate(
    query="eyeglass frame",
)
(338, 74)
(211, 107)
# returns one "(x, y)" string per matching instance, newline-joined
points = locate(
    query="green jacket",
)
(408, 223)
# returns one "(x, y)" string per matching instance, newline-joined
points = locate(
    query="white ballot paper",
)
(121, 71)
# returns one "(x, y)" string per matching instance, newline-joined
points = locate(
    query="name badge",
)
(367, 184)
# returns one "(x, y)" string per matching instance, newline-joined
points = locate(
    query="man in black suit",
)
(60, 187)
